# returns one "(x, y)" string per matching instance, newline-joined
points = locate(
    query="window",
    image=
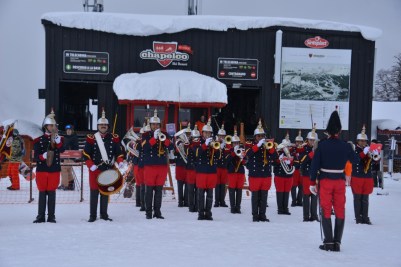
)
(141, 113)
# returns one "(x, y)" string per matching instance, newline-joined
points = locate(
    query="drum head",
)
(107, 177)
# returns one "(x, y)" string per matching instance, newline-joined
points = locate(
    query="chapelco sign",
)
(167, 53)
(316, 42)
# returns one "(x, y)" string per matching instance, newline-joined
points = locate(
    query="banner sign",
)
(237, 68)
(85, 62)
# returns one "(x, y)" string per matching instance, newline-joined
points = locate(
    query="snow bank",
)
(146, 25)
(25, 127)
(170, 85)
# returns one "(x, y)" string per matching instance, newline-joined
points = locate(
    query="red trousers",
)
(13, 173)
(47, 181)
(282, 184)
(332, 194)
(155, 175)
(222, 176)
(306, 184)
(93, 179)
(259, 183)
(191, 177)
(236, 180)
(139, 176)
(206, 180)
(361, 186)
(296, 178)
(180, 173)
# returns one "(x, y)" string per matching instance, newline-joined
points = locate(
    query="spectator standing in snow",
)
(70, 143)
(15, 158)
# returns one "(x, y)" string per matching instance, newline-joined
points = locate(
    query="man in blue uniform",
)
(328, 168)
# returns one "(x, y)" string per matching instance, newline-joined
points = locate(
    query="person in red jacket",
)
(98, 162)
(47, 150)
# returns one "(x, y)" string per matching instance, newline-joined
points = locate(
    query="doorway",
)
(76, 101)
(243, 106)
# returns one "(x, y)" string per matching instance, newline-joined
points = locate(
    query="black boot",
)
(293, 196)
(365, 210)
(238, 200)
(313, 208)
(223, 196)
(300, 195)
(191, 197)
(138, 195)
(180, 189)
(41, 208)
(51, 206)
(338, 233)
(217, 196)
(286, 196)
(328, 243)
(255, 206)
(262, 206)
(231, 195)
(196, 198)
(306, 207)
(93, 199)
(209, 204)
(104, 203)
(279, 198)
(358, 208)
(142, 193)
(186, 195)
(158, 202)
(148, 201)
(201, 203)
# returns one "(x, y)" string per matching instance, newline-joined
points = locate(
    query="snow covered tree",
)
(388, 83)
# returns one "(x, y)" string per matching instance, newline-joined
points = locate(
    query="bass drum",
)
(110, 182)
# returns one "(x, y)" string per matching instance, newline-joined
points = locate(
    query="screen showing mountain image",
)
(314, 82)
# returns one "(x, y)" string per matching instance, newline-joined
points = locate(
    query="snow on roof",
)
(25, 127)
(146, 25)
(389, 125)
(170, 86)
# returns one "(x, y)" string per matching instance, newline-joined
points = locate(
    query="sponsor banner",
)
(237, 68)
(385, 135)
(316, 42)
(85, 62)
(166, 53)
(314, 82)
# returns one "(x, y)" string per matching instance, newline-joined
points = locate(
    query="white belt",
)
(331, 171)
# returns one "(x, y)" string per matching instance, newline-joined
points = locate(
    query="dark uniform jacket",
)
(155, 152)
(41, 145)
(92, 154)
(235, 163)
(358, 170)
(306, 156)
(278, 168)
(260, 160)
(207, 158)
(332, 154)
(191, 155)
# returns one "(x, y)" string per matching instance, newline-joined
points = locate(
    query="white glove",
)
(260, 143)
(57, 139)
(222, 145)
(366, 150)
(93, 168)
(156, 134)
(44, 155)
(121, 165)
(312, 189)
(287, 161)
(281, 157)
(171, 155)
(375, 152)
(207, 142)
(236, 147)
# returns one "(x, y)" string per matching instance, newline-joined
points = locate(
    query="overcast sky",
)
(22, 38)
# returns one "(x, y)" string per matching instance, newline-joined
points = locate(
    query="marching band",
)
(207, 166)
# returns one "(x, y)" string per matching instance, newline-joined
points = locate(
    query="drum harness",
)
(103, 152)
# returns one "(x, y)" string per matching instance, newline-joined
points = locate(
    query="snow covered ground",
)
(181, 240)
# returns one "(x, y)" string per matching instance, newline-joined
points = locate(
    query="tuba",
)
(181, 140)
(131, 145)
(284, 147)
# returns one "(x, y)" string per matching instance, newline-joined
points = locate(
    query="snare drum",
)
(109, 182)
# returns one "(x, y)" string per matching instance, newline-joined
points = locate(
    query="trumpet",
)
(238, 151)
(215, 144)
(162, 137)
(268, 144)
(228, 139)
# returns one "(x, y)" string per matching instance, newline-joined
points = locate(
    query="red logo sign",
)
(316, 42)
(165, 53)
